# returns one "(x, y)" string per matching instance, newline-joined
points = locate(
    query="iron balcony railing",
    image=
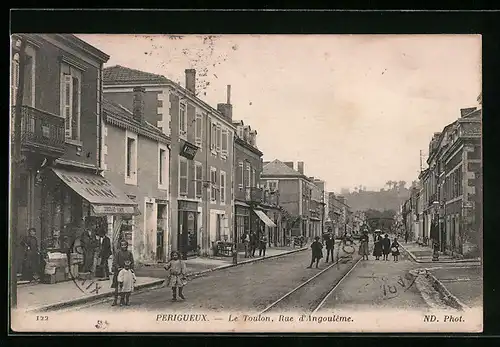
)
(254, 194)
(41, 131)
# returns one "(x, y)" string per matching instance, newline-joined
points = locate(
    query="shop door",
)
(161, 232)
(188, 236)
(149, 233)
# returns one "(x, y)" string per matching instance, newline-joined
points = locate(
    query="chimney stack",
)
(300, 167)
(138, 104)
(226, 109)
(191, 80)
(228, 94)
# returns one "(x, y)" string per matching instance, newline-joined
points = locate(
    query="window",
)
(70, 103)
(213, 136)
(198, 180)
(218, 137)
(213, 181)
(130, 158)
(253, 177)
(162, 167)
(222, 187)
(241, 175)
(183, 176)
(199, 130)
(247, 175)
(224, 145)
(182, 119)
(272, 185)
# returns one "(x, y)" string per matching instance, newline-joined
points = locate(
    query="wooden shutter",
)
(67, 102)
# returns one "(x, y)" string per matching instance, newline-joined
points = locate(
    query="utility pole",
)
(16, 160)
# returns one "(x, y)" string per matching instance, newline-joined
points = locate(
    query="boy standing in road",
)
(330, 244)
(317, 252)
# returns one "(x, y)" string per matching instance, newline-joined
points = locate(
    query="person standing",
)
(386, 246)
(263, 245)
(31, 256)
(176, 278)
(89, 244)
(253, 244)
(363, 247)
(119, 260)
(317, 252)
(395, 249)
(246, 244)
(330, 244)
(126, 281)
(377, 248)
(104, 254)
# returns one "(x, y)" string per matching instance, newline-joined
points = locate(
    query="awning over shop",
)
(240, 203)
(315, 219)
(263, 217)
(104, 198)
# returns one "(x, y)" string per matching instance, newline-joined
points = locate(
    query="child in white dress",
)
(126, 281)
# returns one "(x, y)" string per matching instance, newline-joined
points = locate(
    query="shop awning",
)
(240, 203)
(104, 198)
(263, 217)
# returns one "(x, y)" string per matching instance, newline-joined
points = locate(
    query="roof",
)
(119, 115)
(119, 75)
(278, 168)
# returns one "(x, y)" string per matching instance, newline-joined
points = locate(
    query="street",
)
(266, 286)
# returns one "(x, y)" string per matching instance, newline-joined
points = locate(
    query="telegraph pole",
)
(16, 160)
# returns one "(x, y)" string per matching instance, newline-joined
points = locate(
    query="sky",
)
(357, 109)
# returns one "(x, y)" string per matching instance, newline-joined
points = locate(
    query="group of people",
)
(383, 247)
(251, 242)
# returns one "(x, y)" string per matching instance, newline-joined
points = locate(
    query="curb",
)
(59, 305)
(249, 261)
(456, 261)
(449, 298)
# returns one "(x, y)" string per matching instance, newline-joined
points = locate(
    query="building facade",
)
(62, 187)
(201, 154)
(136, 159)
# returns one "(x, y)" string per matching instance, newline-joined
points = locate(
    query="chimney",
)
(226, 109)
(191, 80)
(289, 164)
(300, 167)
(465, 111)
(138, 104)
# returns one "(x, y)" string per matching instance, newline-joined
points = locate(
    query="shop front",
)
(241, 222)
(187, 228)
(73, 202)
(269, 225)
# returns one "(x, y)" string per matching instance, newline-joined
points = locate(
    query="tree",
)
(402, 185)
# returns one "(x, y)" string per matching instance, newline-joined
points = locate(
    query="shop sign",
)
(113, 209)
(188, 205)
(189, 150)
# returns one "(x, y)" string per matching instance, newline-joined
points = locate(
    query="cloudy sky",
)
(357, 109)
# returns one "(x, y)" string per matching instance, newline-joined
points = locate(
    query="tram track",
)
(311, 295)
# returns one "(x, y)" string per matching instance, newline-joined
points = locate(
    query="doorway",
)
(161, 232)
(188, 235)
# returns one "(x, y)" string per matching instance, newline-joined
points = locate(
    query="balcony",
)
(41, 132)
(253, 194)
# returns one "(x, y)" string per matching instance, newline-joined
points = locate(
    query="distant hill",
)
(390, 199)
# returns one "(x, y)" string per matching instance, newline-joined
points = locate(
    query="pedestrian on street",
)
(253, 244)
(330, 244)
(246, 244)
(263, 245)
(377, 248)
(89, 244)
(126, 281)
(317, 252)
(176, 278)
(119, 259)
(386, 246)
(30, 266)
(104, 254)
(395, 249)
(363, 247)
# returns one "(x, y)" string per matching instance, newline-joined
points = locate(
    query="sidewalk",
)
(423, 254)
(44, 297)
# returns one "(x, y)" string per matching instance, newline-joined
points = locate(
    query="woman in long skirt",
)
(377, 249)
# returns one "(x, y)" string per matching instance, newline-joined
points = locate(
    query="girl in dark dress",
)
(317, 252)
(119, 260)
(377, 249)
(386, 246)
(395, 249)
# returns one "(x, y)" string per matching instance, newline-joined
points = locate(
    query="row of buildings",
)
(445, 206)
(143, 158)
